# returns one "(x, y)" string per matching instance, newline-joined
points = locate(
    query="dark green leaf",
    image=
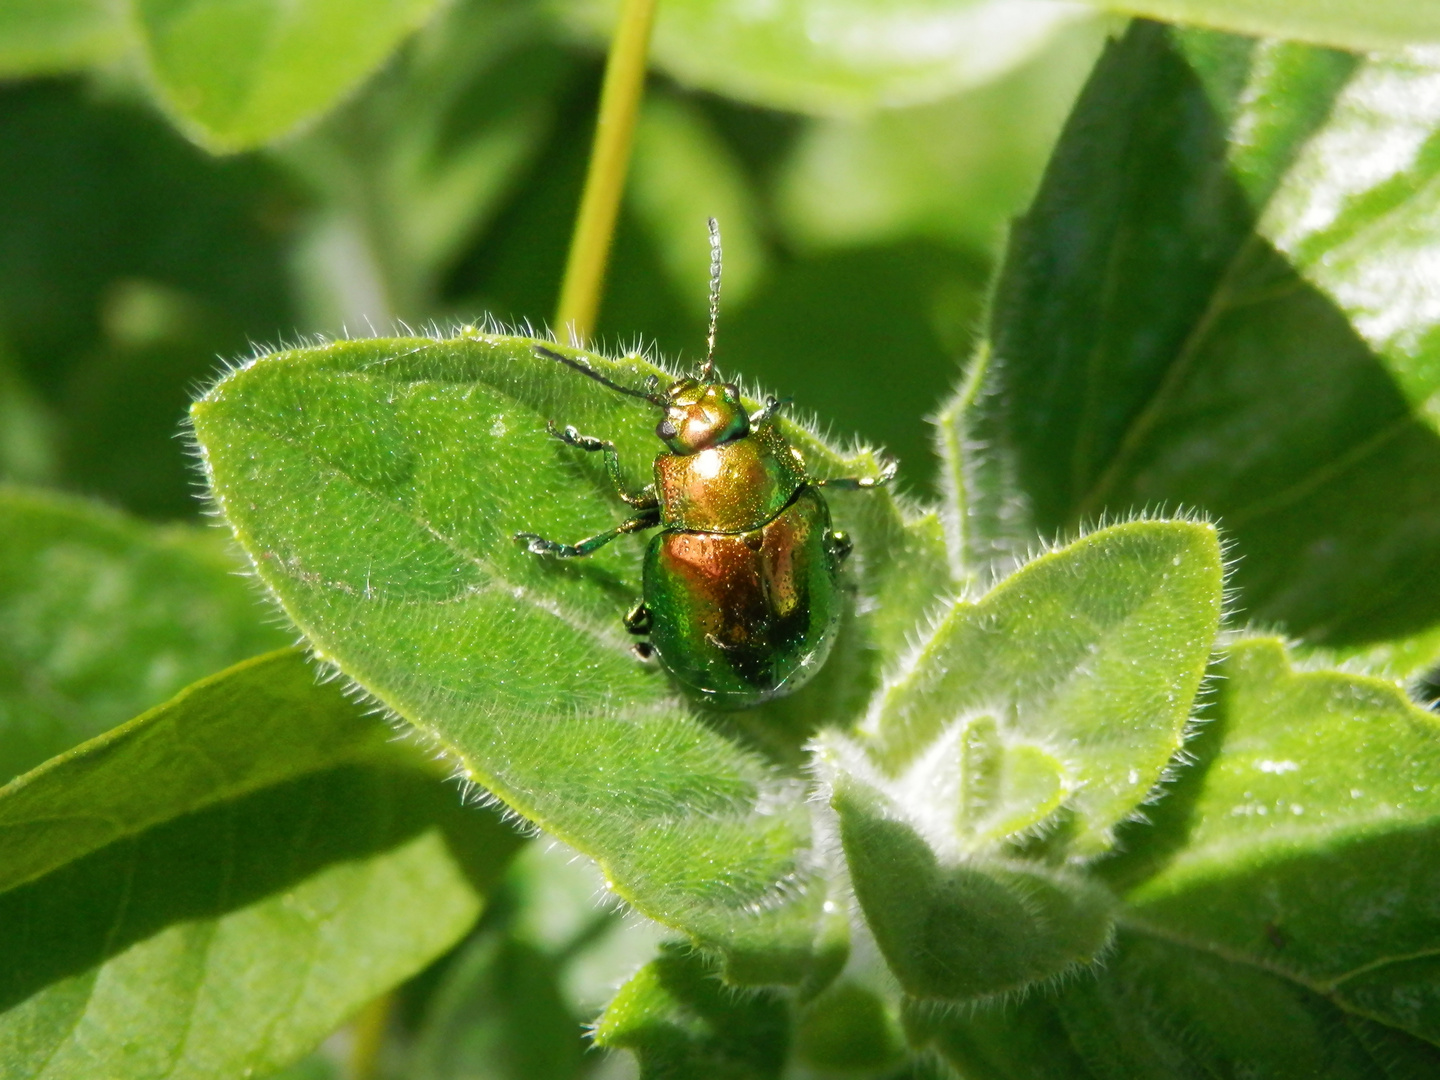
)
(238, 75)
(378, 485)
(1005, 1040)
(1218, 301)
(105, 617)
(1168, 1012)
(209, 889)
(682, 1022)
(1309, 833)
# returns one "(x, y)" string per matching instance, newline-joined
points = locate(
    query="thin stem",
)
(609, 161)
(370, 1026)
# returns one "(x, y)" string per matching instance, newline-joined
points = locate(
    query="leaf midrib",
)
(494, 580)
(1326, 989)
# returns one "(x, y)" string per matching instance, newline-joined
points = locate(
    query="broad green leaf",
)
(1089, 658)
(209, 889)
(1217, 301)
(1408, 658)
(955, 170)
(681, 1021)
(104, 617)
(837, 56)
(238, 73)
(1344, 24)
(40, 37)
(1160, 1009)
(1305, 837)
(377, 485)
(967, 928)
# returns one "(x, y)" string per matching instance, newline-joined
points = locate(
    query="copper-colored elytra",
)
(741, 587)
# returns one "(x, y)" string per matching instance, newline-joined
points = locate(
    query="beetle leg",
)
(637, 619)
(861, 483)
(540, 546)
(767, 413)
(643, 650)
(840, 545)
(570, 437)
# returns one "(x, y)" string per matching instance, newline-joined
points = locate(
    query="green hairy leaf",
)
(978, 928)
(378, 486)
(1344, 24)
(236, 75)
(836, 56)
(1049, 708)
(1216, 302)
(212, 887)
(1278, 911)
(1309, 836)
(105, 617)
(1075, 676)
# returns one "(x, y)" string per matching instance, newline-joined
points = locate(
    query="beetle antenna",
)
(585, 369)
(707, 370)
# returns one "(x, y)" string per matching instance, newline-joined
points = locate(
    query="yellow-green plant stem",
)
(609, 161)
(370, 1025)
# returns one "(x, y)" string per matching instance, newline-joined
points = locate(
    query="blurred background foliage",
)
(859, 236)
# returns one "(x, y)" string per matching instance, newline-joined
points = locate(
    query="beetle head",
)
(701, 414)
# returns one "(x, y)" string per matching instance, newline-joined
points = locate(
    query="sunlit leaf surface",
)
(1221, 299)
(1344, 24)
(209, 889)
(1279, 914)
(378, 485)
(1092, 681)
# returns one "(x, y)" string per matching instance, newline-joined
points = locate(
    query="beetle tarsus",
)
(764, 415)
(840, 545)
(643, 650)
(862, 483)
(541, 546)
(638, 619)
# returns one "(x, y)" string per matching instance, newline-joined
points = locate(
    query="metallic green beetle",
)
(741, 585)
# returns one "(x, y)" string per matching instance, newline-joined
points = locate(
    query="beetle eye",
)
(667, 429)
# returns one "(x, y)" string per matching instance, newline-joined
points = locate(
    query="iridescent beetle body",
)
(742, 598)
